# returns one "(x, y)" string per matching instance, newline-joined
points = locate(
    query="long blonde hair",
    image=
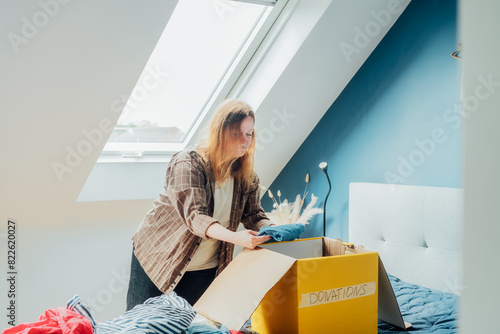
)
(218, 146)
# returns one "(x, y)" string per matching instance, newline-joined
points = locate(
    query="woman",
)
(189, 235)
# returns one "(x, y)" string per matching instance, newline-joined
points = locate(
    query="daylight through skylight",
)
(193, 54)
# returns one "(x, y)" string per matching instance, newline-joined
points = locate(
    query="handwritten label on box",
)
(338, 294)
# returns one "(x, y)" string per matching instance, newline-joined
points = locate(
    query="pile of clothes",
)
(170, 314)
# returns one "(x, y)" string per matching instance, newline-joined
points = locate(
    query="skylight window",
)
(192, 58)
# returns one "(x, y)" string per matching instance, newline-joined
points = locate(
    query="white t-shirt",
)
(207, 254)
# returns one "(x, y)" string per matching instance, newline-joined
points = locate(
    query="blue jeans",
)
(191, 286)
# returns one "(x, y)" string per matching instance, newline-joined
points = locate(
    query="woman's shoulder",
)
(189, 155)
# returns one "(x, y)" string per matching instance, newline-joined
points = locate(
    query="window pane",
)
(192, 55)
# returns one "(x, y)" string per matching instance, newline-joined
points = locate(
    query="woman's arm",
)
(185, 189)
(254, 217)
(245, 238)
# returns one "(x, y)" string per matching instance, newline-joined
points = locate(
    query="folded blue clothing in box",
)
(288, 232)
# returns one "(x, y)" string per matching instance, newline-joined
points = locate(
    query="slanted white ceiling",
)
(62, 66)
(59, 89)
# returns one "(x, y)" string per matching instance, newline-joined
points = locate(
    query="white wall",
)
(480, 29)
(69, 61)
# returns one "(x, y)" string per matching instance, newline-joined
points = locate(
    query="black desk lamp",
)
(324, 167)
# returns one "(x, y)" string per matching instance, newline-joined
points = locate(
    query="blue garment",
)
(286, 232)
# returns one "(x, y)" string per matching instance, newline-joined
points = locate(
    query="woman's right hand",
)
(245, 238)
(249, 238)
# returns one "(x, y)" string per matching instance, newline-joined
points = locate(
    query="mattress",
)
(428, 310)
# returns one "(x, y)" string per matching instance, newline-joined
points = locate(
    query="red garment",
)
(232, 331)
(57, 321)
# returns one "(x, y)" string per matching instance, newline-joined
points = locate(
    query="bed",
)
(417, 232)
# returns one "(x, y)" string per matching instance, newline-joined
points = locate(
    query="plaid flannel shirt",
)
(171, 231)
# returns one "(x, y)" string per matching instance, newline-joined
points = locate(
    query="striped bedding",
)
(168, 314)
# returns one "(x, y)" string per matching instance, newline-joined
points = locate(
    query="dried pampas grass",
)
(289, 213)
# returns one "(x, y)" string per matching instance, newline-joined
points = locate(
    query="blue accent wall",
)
(397, 121)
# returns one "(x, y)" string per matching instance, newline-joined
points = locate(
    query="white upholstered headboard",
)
(416, 230)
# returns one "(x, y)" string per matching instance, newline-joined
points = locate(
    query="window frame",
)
(161, 152)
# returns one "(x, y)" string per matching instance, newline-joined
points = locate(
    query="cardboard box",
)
(301, 286)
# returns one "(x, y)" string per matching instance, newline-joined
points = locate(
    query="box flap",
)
(332, 247)
(235, 294)
(388, 307)
(298, 249)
